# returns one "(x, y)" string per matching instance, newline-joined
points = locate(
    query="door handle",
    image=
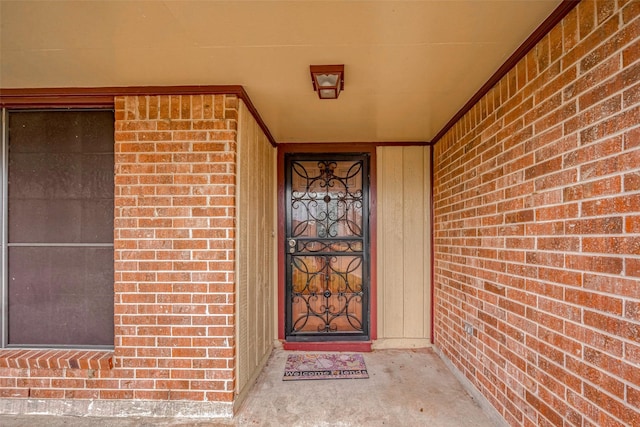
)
(292, 245)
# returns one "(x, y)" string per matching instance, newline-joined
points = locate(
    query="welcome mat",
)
(329, 366)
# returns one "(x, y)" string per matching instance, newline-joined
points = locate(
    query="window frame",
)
(4, 232)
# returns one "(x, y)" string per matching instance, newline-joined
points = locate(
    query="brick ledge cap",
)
(56, 359)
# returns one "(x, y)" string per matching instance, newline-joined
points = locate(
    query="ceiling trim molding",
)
(254, 112)
(556, 16)
(103, 97)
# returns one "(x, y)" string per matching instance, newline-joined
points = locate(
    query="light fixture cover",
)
(328, 80)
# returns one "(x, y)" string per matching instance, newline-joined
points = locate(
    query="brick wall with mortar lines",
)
(174, 263)
(174, 245)
(537, 228)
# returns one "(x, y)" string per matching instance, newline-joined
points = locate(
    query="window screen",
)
(60, 228)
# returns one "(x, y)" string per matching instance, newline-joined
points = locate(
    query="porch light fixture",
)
(328, 80)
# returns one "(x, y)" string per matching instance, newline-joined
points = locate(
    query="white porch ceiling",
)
(409, 65)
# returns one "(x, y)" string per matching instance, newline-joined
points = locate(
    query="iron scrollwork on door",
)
(327, 264)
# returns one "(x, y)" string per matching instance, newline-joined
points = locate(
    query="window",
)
(57, 242)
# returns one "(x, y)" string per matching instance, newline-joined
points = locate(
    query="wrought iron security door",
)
(327, 247)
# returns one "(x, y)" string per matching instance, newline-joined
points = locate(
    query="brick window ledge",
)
(56, 359)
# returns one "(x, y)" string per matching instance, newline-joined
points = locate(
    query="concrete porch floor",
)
(405, 388)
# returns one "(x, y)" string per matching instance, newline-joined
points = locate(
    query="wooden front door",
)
(327, 247)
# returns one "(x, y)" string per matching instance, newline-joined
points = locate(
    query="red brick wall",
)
(537, 228)
(174, 245)
(174, 263)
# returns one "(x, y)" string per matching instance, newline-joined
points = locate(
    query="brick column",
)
(174, 247)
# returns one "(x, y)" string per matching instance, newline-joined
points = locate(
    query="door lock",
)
(292, 246)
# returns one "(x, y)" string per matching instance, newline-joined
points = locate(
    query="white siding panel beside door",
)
(403, 252)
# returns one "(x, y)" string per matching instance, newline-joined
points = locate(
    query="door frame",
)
(320, 148)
